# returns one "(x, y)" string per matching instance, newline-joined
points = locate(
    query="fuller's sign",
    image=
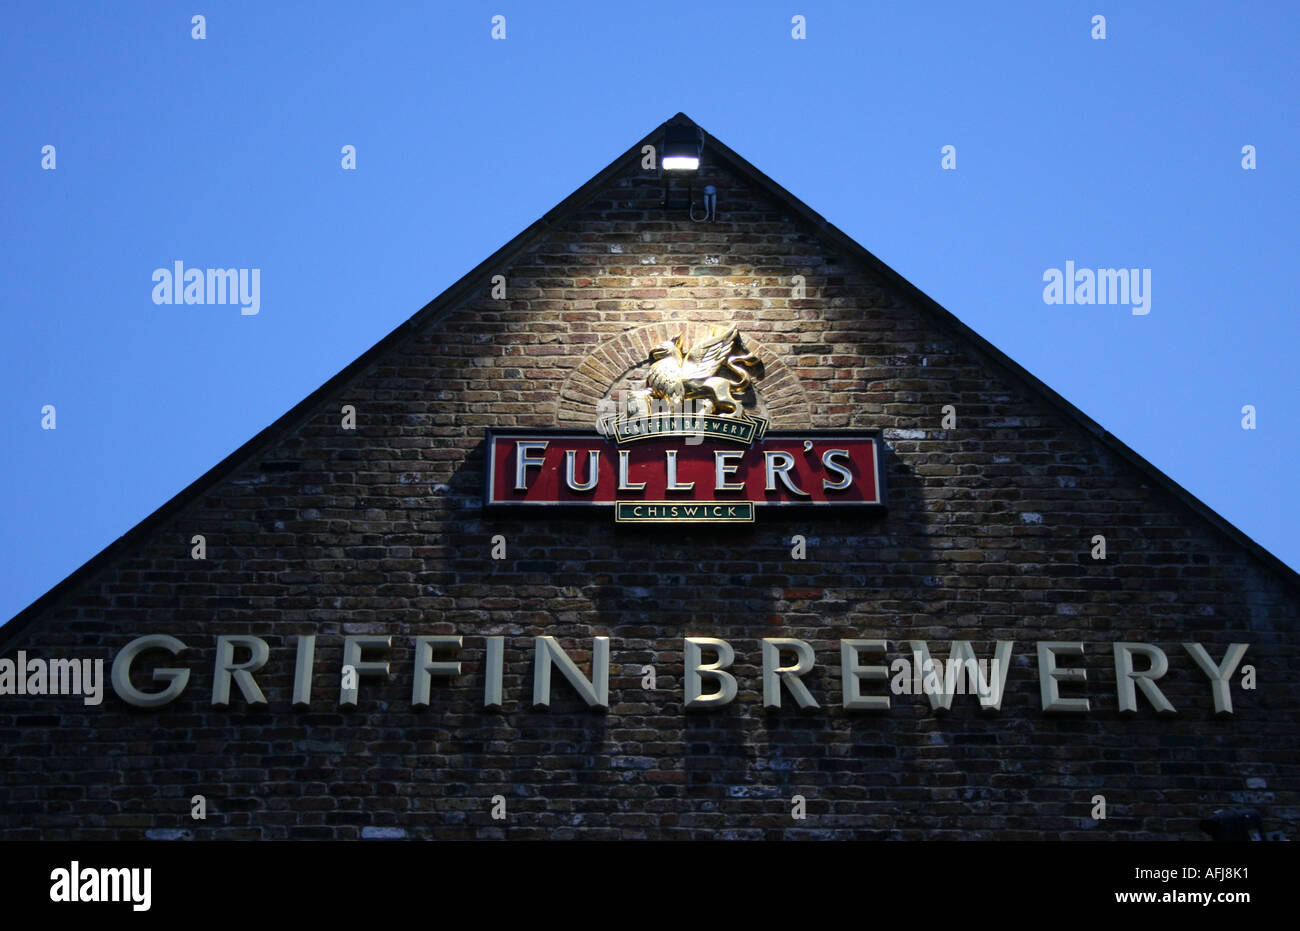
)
(669, 478)
(684, 449)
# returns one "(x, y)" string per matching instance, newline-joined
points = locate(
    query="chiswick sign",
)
(683, 449)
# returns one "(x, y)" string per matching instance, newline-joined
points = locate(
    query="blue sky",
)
(225, 152)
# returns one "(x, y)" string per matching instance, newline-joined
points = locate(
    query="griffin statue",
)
(677, 376)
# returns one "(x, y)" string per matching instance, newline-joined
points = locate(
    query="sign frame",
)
(881, 504)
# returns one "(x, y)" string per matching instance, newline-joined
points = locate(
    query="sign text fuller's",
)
(816, 470)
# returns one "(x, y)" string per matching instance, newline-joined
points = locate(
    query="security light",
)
(682, 146)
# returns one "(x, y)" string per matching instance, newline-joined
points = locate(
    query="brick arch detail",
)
(594, 377)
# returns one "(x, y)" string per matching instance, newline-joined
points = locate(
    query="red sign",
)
(674, 473)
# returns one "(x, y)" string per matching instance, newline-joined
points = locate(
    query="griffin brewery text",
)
(707, 681)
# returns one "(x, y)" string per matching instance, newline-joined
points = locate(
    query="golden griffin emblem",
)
(712, 373)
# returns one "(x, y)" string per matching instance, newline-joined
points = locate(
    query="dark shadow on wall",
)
(575, 575)
(687, 575)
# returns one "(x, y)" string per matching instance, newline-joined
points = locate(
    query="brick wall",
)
(381, 530)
